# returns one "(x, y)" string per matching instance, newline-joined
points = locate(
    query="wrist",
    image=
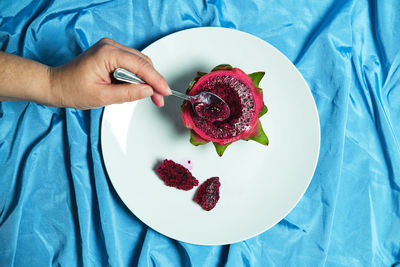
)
(41, 88)
(55, 87)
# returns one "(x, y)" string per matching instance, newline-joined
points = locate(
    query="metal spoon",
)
(206, 104)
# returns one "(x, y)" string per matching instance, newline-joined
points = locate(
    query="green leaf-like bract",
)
(222, 67)
(220, 148)
(256, 77)
(199, 74)
(261, 137)
(195, 79)
(195, 141)
(263, 111)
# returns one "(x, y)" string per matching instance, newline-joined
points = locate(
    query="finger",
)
(148, 58)
(126, 48)
(158, 99)
(133, 51)
(144, 70)
(119, 93)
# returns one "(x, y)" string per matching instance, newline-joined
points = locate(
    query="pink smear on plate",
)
(187, 163)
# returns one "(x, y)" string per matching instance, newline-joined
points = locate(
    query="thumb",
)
(119, 93)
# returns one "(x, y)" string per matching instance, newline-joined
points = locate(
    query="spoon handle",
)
(126, 76)
(180, 95)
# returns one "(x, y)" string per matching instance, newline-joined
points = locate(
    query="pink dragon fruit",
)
(207, 194)
(245, 100)
(176, 175)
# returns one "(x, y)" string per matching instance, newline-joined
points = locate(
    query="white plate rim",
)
(314, 163)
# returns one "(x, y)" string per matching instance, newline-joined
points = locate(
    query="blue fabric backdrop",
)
(58, 208)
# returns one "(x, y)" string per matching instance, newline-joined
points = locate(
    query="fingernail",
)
(169, 90)
(162, 102)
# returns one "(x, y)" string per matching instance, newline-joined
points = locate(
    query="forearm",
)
(85, 81)
(24, 79)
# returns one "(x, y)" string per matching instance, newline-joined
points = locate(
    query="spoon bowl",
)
(210, 106)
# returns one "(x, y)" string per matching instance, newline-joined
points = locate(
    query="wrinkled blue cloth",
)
(58, 207)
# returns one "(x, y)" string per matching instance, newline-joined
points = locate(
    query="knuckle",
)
(144, 64)
(148, 59)
(106, 49)
(106, 40)
(130, 95)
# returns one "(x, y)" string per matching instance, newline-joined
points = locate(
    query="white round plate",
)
(259, 184)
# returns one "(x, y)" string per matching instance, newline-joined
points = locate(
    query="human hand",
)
(85, 82)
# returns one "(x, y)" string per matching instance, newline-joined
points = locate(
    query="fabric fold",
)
(58, 205)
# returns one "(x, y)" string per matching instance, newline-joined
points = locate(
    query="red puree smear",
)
(175, 175)
(207, 195)
(213, 112)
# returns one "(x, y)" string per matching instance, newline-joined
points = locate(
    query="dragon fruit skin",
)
(245, 101)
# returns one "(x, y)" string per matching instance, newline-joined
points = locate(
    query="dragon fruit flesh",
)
(213, 112)
(176, 175)
(245, 100)
(207, 194)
